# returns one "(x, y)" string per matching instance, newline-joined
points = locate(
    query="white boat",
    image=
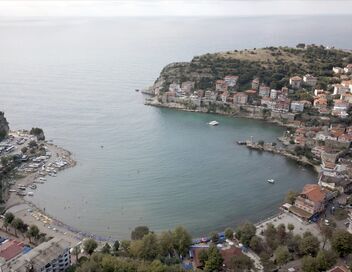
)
(42, 179)
(271, 181)
(30, 194)
(213, 123)
(33, 186)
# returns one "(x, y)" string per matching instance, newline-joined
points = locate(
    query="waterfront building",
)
(311, 201)
(240, 98)
(295, 82)
(310, 80)
(231, 81)
(50, 256)
(268, 102)
(283, 104)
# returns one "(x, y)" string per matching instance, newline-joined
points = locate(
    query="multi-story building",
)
(264, 91)
(255, 84)
(240, 98)
(311, 201)
(310, 80)
(231, 81)
(51, 256)
(297, 106)
(338, 70)
(296, 82)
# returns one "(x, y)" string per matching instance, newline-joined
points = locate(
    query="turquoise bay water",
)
(76, 79)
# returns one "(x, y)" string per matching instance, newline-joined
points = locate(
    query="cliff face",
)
(4, 125)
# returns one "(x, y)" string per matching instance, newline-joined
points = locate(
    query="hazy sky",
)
(171, 7)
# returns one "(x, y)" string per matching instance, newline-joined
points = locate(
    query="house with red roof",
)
(310, 201)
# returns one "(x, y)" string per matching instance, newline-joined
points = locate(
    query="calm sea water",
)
(76, 78)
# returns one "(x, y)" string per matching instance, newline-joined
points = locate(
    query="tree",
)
(241, 263)
(203, 257)
(9, 217)
(215, 260)
(139, 232)
(89, 246)
(32, 144)
(214, 237)
(24, 150)
(290, 227)
(16, 224)
(341, 242)
(282, 255)
(291, 197)
(309, 264)
(116, 246)
(106, 249)
(166, 243)
(325, 260)
(76, 250)
(149, 247)
(182, 240)
(245, 232)
(33, 232)
(125, 245)
(256, 244)
(309, 245)
(229, 233)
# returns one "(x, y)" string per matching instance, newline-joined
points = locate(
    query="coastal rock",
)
(4, 126)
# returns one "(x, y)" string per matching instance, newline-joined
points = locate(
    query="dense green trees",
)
(214, 260)
(139, 232)
(89, 246)
(341, 242)
(245, 232)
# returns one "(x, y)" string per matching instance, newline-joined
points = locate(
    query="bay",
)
(75, 77)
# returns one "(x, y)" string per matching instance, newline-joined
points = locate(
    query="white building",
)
(338, 70)
(264, 91)
(296, 82)
(348, 69)
(273, 93)
(50, 256)
(310, 80)
(297, 106)
(340, 89)
(231, 81)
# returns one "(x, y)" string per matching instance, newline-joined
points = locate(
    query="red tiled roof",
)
(339, 269)
(314, 192)
(11, 249)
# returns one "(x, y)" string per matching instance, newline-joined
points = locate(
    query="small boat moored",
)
(213, 123)
(271, 181)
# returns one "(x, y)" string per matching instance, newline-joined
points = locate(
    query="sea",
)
(136, 164)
